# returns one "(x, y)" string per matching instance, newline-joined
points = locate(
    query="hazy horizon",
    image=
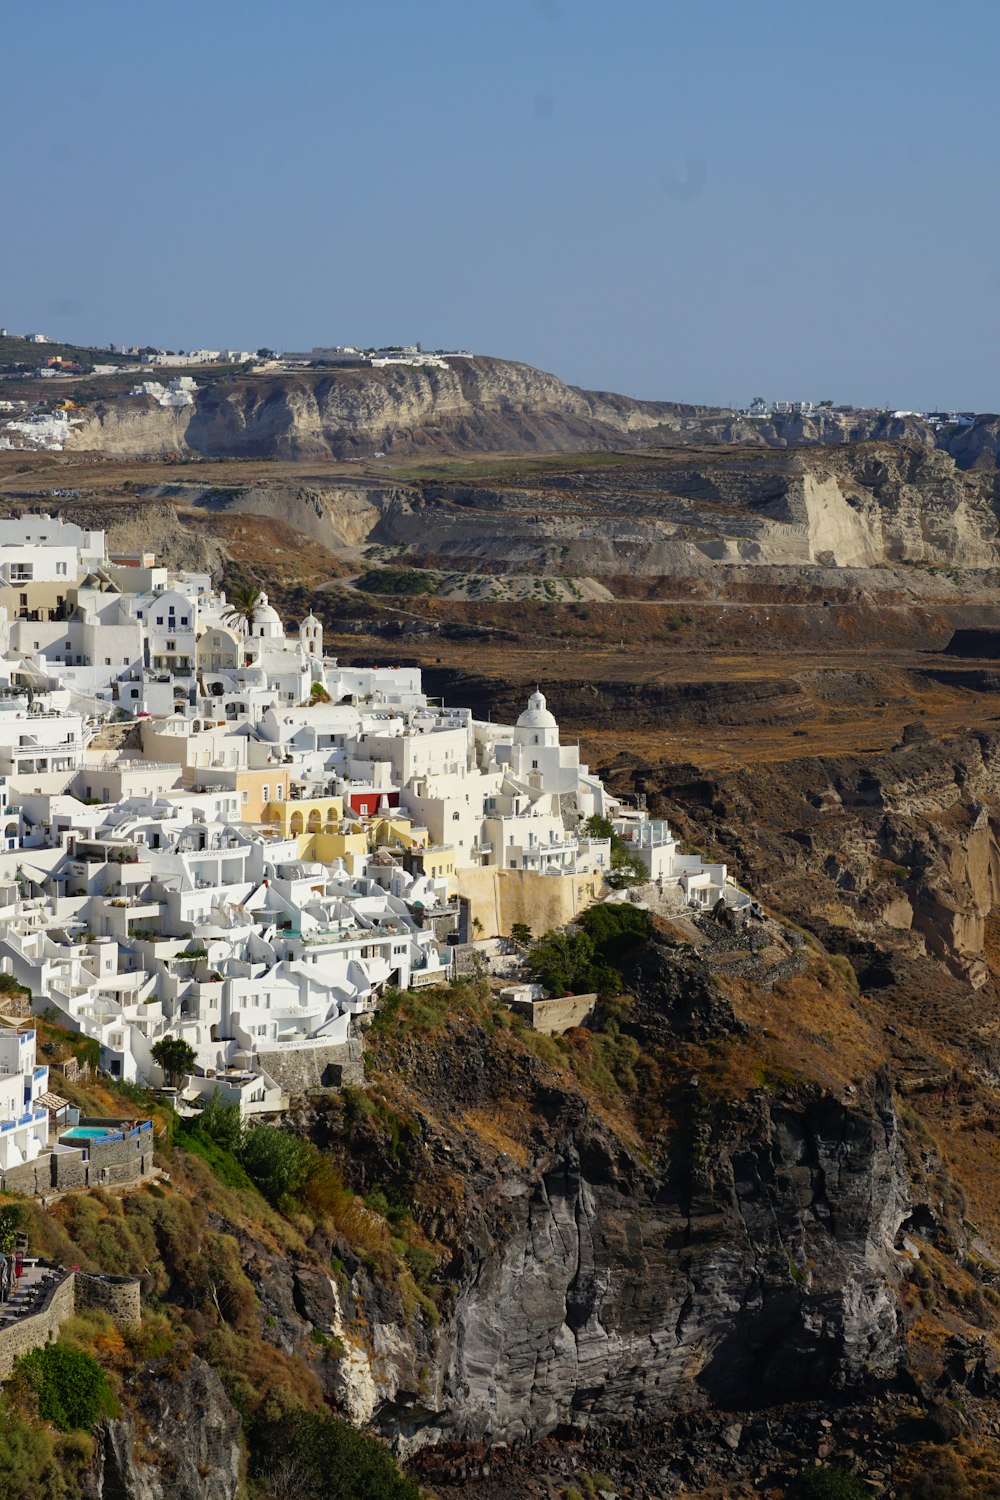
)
(681, 207)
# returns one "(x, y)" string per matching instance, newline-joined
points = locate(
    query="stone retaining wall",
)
(98, 1164)
(35, 1331)
(117, 1295)
(297, 1070)
(553, 1017)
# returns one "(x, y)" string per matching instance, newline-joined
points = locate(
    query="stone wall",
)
(118, 1295)
(35, 1331)
(68, 1170)
(120, 1160)
(553, 1017)
(296, 1070)
(499, 898)
(101, 1164)
(32, 1178)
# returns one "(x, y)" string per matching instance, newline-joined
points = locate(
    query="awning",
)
(52, 1102)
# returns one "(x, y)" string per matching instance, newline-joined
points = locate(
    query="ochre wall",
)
(500, 898)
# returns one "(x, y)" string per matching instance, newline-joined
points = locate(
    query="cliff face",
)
(475, 405)
(861, 507)
(612, 1294)
(748, 1256)
(898, 853)
(183, 1445)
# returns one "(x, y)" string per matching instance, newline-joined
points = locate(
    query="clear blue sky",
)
(695, 202)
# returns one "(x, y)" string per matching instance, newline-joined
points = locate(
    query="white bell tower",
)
(311, 636)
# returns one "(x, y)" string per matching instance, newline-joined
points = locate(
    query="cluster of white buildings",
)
(178, 392)
(211, 830)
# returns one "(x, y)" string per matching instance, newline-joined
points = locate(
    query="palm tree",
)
(242, 606)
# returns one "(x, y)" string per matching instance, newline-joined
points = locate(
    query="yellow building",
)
(257, 790)
(318, 826)
(437, 861)
(396, 832)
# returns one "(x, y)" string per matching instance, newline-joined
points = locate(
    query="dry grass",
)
(490, 1132)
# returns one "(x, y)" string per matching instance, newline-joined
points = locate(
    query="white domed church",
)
(535, 756)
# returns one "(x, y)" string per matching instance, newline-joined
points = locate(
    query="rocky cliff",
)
(474, 405)
(179, 1440)
(897, 853)
(862, 506)
(718, 1205)
(743, 1255)
(866, 507)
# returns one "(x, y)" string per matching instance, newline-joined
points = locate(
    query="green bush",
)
(13, 1217)
(70, 1385)
(29, 1466)
(615, 930)
(265, 1156)
(565, 963)
(422, 1263)
(832, 1483)
(397, 581)
(275, 1160)
(320, 1458)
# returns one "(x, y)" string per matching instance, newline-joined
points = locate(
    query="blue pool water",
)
(84, 1133)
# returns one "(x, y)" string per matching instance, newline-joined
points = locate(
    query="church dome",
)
(536, 715)
(265, 613)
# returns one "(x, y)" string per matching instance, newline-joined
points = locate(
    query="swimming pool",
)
(85, 1133)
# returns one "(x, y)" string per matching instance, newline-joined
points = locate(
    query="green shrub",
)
(615, 930)
(13, 1217)
(565, 963)
(71, 1387)
(397, 581)
(28, 1463)
(422, 1263)
(222, 1162)
(832, 1483)
(321, 1458)
(277, 1161)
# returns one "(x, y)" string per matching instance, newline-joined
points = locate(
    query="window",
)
(159, 619)
(24, 601)
(279, 794)
(534, 765)
(244, 795)
(265, 793)
(107, 661)
(171, 645)
(60, 570)
(135, 692)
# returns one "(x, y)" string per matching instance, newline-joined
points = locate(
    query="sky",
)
(694, 202)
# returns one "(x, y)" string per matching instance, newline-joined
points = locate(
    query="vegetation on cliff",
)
(751, 1124)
